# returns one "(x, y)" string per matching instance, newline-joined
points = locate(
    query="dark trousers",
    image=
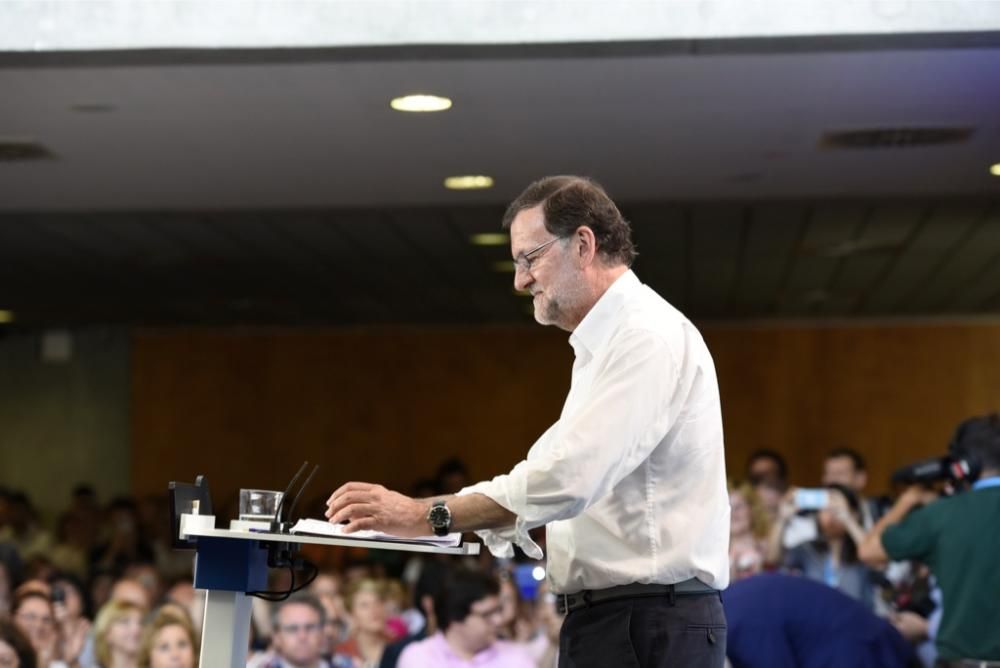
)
(647, 632)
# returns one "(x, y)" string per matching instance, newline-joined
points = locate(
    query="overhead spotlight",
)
(468, 182)
(420, 103)
(489, 239)
(995, 169)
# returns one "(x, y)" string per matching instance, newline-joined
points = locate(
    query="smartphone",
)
(811, 498)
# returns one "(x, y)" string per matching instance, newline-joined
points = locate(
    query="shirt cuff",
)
(500, 541)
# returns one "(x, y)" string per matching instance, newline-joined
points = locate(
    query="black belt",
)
(570, 602)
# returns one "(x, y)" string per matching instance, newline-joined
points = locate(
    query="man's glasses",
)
(525, 260)
(292, 629)
(486, 614)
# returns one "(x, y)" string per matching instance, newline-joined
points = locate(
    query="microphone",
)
(298, 495)
(277, 521)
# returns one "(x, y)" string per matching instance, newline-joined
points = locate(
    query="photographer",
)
(958, 538)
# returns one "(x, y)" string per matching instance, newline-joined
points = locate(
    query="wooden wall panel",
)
(388, 404)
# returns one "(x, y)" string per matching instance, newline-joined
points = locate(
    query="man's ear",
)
(586, 245)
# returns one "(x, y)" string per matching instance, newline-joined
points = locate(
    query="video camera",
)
(962, 464)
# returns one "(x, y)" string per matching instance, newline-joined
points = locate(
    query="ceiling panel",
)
(810, 259)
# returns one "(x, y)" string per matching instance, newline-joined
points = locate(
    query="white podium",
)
(231, 562)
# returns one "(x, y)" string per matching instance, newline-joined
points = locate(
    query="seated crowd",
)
(105, 590)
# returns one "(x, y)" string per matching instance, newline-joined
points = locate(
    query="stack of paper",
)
(324, 528)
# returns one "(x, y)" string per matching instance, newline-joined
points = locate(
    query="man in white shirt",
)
(630, 481)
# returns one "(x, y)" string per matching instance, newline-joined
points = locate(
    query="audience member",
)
(15, 648)
(469, 614)
(958, 538)
(832, 557)
(748, 533)
(781, 621)
(23, 529)
(367, 639)
(168, 640)
(70, 610)
(767, 466)
(426, 591)
(33, 615)
(298, 635)
(844, 466)
(117, 632)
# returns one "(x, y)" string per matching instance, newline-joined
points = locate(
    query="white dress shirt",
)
(631, 480)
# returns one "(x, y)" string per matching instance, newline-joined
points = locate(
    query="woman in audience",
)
(833, 556)
(69, 608)
(33, 615)
(749, 527)
(15, 648)
(365, 601)
(169, 641)
(117, 631)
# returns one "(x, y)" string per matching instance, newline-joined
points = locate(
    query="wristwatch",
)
(439, 517)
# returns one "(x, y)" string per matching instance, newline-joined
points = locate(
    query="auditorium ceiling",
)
(766, 180)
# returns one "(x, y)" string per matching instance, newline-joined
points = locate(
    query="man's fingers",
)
(349, 487)
(354, 513)
(361, 524)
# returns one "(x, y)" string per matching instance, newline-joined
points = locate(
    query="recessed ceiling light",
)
(420, 103)
(489, 239)
(468, 182)
(6, 316)
(504, 266)
(995, 169)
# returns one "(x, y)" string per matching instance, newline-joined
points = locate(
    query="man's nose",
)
(522, 279)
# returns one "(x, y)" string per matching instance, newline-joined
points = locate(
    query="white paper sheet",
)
(324, 528)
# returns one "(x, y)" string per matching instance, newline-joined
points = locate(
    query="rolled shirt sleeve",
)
(596, 443)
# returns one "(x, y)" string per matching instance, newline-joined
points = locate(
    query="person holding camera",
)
(832, 557)
(957, 538)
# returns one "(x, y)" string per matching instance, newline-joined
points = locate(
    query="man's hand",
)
(361, 505)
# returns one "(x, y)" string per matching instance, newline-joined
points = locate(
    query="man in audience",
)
(468, 614)
(958, 538)
(298, 634)
(767, 466)
(844, 466)
(427, 589)
(783, 621)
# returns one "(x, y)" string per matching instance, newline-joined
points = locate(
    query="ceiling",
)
(279, 188)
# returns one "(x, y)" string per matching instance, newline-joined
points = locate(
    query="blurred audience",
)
(750, 527)
(469, 616)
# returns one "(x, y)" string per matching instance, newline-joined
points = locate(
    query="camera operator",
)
(957, 538)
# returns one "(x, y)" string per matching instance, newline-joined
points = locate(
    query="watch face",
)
(439, 516)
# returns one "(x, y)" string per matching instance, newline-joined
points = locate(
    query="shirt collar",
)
(596, 326)
(982, 483)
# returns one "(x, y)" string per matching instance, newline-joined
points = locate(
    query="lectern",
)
(231, 562)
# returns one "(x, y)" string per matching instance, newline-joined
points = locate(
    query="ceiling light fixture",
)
(6, 316)
(995, 169)
(489, 239)
(420, 103)
(468, 182)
